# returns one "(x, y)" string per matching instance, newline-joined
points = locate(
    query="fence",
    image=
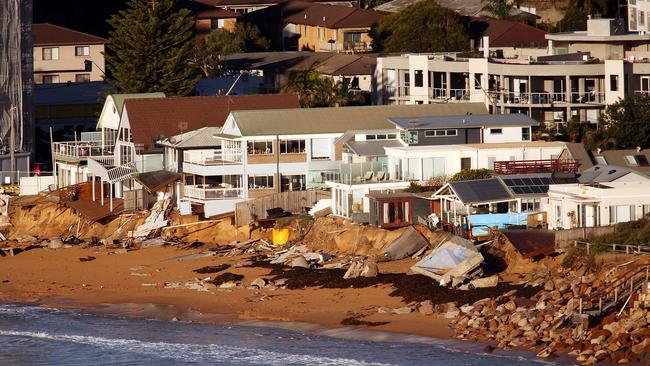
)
(618, 248)
(566, 238)
(293, 201)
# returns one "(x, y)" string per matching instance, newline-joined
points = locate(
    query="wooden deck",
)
(94, 211)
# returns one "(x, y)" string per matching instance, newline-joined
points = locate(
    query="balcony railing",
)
(535, 166)
(206, 192)
(454, 94)
(356, 46)
(545, 98)
(212, 157)
(646, 92)
(79, 150)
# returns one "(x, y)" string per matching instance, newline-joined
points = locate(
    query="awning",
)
(156, 181)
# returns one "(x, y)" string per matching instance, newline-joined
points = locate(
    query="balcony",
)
(535, 166)
(213, 157)
(78, 151)
(546, 98)
(356, 46)
(453, 95)
(210, 192)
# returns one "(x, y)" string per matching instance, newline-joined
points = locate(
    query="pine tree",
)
(149, 48)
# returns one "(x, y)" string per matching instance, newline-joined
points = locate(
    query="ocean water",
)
(43, 336)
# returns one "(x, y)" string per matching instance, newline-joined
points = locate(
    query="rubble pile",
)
(550, 321)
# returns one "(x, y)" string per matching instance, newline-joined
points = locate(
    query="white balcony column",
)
(101, 192)
(93, 183)
(448, 84)
(110, 197)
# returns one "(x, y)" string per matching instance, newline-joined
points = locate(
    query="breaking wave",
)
(193, 352)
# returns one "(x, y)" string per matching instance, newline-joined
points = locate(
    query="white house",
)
(582, 205)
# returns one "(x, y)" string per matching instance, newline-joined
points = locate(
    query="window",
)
(396, 213)
(292, 146)
(631, 160)
(82, 51)
(409, 137)
(439, 133)
(601, 160)
(433, 167)
(525, 134)
(293, 182)
(389, 136)
(260, 182)
(613, 82)
(49, 79)
(320, 148)
(530, 205)
(642, 18)
(477, 81)
(50, 53)
(496, 131)
(465, 163)
(623, 213)
(82, 78)
(419, 79)
(260, 147)
(491, 160)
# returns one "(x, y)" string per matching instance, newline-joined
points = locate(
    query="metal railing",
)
(211, 157)
(454, 94)
(545, 98)
(361, 173)
(205, 192)
(613, 293)
(78, 150)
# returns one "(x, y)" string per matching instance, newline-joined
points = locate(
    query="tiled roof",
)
(618, 157)
(508, 33)
(332, 16)
(151, 118)
(217, 14)
(46, 34)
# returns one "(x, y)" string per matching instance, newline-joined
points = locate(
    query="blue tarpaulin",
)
(481, 224)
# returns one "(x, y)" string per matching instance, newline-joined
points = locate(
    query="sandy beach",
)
(135, 280)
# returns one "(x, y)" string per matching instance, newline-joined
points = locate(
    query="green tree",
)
(250, 37)
(627, 122)
(149, 48)
(421, 27)
(471, 174)
(209, 50)
(314, 90)
(576, 12)
(499, 9)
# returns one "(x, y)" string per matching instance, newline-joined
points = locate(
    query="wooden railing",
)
(535, 166)
(613, 293)
(618, 248)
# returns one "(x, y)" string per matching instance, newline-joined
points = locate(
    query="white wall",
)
(35, 185)
(508, 134)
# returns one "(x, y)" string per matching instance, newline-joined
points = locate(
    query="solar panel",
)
(517, 190)
(528, 185)
(546, 180)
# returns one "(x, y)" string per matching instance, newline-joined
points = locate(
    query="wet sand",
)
(113, 284)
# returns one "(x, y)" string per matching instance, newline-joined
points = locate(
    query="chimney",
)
(638, 149)
(486, 46)
(599, 150)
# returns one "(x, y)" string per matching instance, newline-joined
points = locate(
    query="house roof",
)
(480, 190)
(332, 16)
(601, 173)
(463, 7)
(46, 34)
(217, 13)
(202, 137)
(329, 63)
(337, 119)
(155, 181)
(371, 148)
(476, 118)
(151, 118)
(618, 157)
(508, 33)
(119, 99)
(68, 93)
(579, 153)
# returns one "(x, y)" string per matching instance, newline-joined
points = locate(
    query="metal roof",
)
(607, 173)
(465, 121)
(202, 137)
(371, 148)
(339, 119)
(480, 190)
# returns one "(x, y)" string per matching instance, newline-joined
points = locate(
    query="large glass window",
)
(525, 133)
(320, 148)
(440, 133)
(292, 146)
(260, 147)
(433, 167)
(260, 182)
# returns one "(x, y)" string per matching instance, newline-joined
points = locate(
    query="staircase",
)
(613, 294)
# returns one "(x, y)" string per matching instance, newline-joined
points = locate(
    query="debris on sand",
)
(212, 269)
(227, 277)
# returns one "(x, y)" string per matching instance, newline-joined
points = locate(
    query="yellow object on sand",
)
(280, 236)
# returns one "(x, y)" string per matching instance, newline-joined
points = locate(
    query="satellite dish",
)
(172, 140)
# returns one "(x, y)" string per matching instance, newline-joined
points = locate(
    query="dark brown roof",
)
(338, 64)
(150, 118)
(46, 34)
(332, 16)
(217, 13)
(155, 181)
(508, 33)
(531, 242)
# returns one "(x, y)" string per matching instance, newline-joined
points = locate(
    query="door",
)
(396, 213)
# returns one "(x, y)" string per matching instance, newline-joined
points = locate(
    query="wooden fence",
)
(566, 238)
(293, 201)
(618, 248)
